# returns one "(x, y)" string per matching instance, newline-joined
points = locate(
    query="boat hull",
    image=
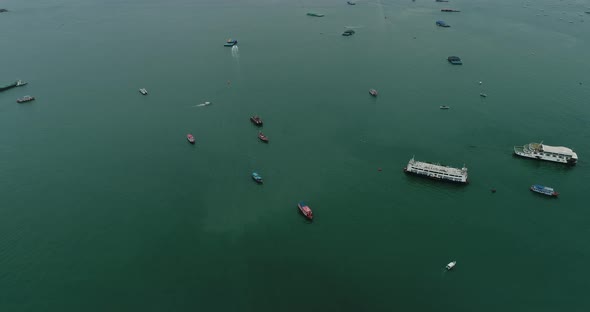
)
(522, 152)
(9, 86)
(436, 178)
(303, 212)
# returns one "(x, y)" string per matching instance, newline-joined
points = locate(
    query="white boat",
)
(143, 91)
(451, 265)
(21, 83)
(541, 151)
(436, 171)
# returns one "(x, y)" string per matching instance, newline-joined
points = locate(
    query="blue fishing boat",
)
(442, 24)
(545, 190)
(256, 177)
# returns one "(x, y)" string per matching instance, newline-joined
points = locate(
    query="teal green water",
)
(105, 207)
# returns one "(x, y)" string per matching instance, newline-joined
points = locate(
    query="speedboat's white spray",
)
(235, 52)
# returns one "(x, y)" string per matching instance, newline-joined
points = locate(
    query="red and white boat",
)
(373, 92)
(190, 138)
(262, 137)
(305, 210)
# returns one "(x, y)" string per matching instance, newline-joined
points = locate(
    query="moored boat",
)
(256, 177)
(26, 98)
(143, 91)
(256, 120)
(451, 265)
(436, 171)
(545, 190)
(305, 210)
(541, 151)
(262, 137)
(455, 60)
(373, 92)
(190, 138)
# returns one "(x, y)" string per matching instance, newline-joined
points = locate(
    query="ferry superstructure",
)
(541, 151)
(436, 171)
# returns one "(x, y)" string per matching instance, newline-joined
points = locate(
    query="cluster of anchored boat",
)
(537, 151)
(18, 83)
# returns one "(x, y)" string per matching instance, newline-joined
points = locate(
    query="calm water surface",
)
(105, 207)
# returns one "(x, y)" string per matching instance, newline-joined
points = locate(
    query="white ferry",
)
(545, 152)
(436, 171)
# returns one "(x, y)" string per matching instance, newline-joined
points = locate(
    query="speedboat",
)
(230, 43)
(483, 95)
(26, 98)
(21, 83)
(348, 32)
(143, 91)
(444, 107)
(305, 210)
(256, 177)
(262, 137)
(373, 92)
(545, 190)
(256, 120)
(451, 265)
(190, 138)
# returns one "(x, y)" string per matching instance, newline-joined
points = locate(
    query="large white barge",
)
(436, 171)
(545, 152)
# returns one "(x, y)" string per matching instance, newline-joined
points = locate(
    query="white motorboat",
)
(143, 91)
(451, 265)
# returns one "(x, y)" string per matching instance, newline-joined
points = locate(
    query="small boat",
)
(256, 177)
(11, 85)
(350, 3)
(262, 137)
(190, 138)
(444, 107)
(348, 32)
(483, 95)
(545, 190)
(305, 210)
(441, 0)
(455, 60)
(143, 91)
(451, 265)
(3, 10)
(449, 10)
(373, 92)
(21, 83)
(256, 120)
(315, 14)
(26, 98)
(230, 42)
(442, 24)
